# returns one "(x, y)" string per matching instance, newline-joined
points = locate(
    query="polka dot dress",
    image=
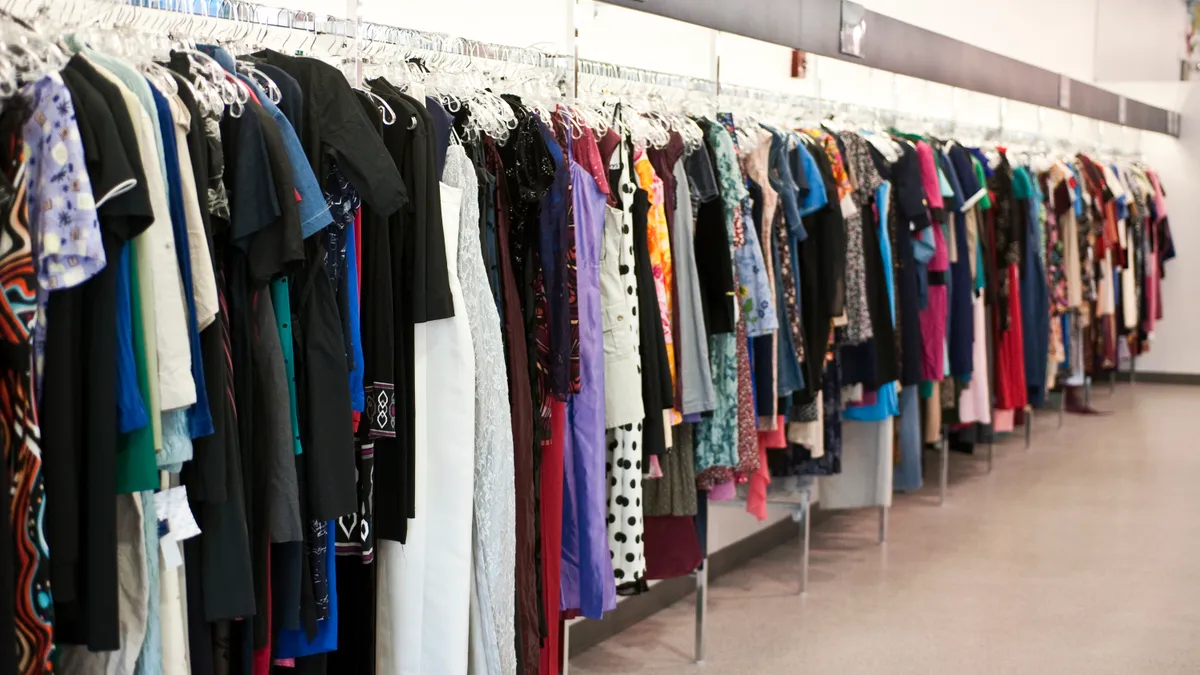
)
(625, 526)
(624, 467)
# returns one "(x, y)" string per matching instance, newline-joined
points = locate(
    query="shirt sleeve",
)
(700, 175)
(108, 164)
(62, 209)
(354, 144)
(114, 166)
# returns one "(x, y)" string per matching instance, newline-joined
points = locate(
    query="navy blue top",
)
(199, 416)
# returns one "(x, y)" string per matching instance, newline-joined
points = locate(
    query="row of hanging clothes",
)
(398, 376)
(1084, 259)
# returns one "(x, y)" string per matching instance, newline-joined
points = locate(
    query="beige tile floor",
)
(1080, 555)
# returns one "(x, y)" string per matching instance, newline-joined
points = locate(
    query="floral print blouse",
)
(756, 295)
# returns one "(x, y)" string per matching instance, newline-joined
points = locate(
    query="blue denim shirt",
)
(817, 198)
(784, 183)
(314, 212)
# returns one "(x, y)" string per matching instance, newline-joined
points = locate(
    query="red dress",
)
(1010, 390)
(552, 513)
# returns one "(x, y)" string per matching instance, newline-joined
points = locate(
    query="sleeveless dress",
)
(493, 536)
(425, 584)
(622, 348)
(587, 573)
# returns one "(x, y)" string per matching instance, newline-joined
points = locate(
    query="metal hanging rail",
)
(601, 69)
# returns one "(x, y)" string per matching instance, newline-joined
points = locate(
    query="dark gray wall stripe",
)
(899, 47)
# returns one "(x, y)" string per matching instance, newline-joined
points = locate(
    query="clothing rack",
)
(236, 18)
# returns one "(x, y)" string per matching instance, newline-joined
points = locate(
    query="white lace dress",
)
(494, 538)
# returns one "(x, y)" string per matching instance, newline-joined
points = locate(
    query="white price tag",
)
(172, 506)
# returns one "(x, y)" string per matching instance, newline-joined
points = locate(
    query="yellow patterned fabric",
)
(659, 243)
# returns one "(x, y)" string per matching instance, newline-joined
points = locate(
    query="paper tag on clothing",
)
(849, 208)
(172, 505)
(171, 556)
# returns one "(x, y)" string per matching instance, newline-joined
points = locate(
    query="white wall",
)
(629, 38)
(1139, 40)
(545, 24)
(1089, 40)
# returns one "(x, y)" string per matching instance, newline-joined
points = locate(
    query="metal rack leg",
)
(991, 455)
(1028, 426)
(1132, 369)
(805, 545)
(566, 649)
(1112, 381)
(701, 608)
(883, 524)
(945, 473)
(1062, 404)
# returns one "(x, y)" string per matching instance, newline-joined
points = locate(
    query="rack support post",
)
(1028, 426)
(701, 608)
(566, 649)
(805, 542)
(944, 478)
(991, 455)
